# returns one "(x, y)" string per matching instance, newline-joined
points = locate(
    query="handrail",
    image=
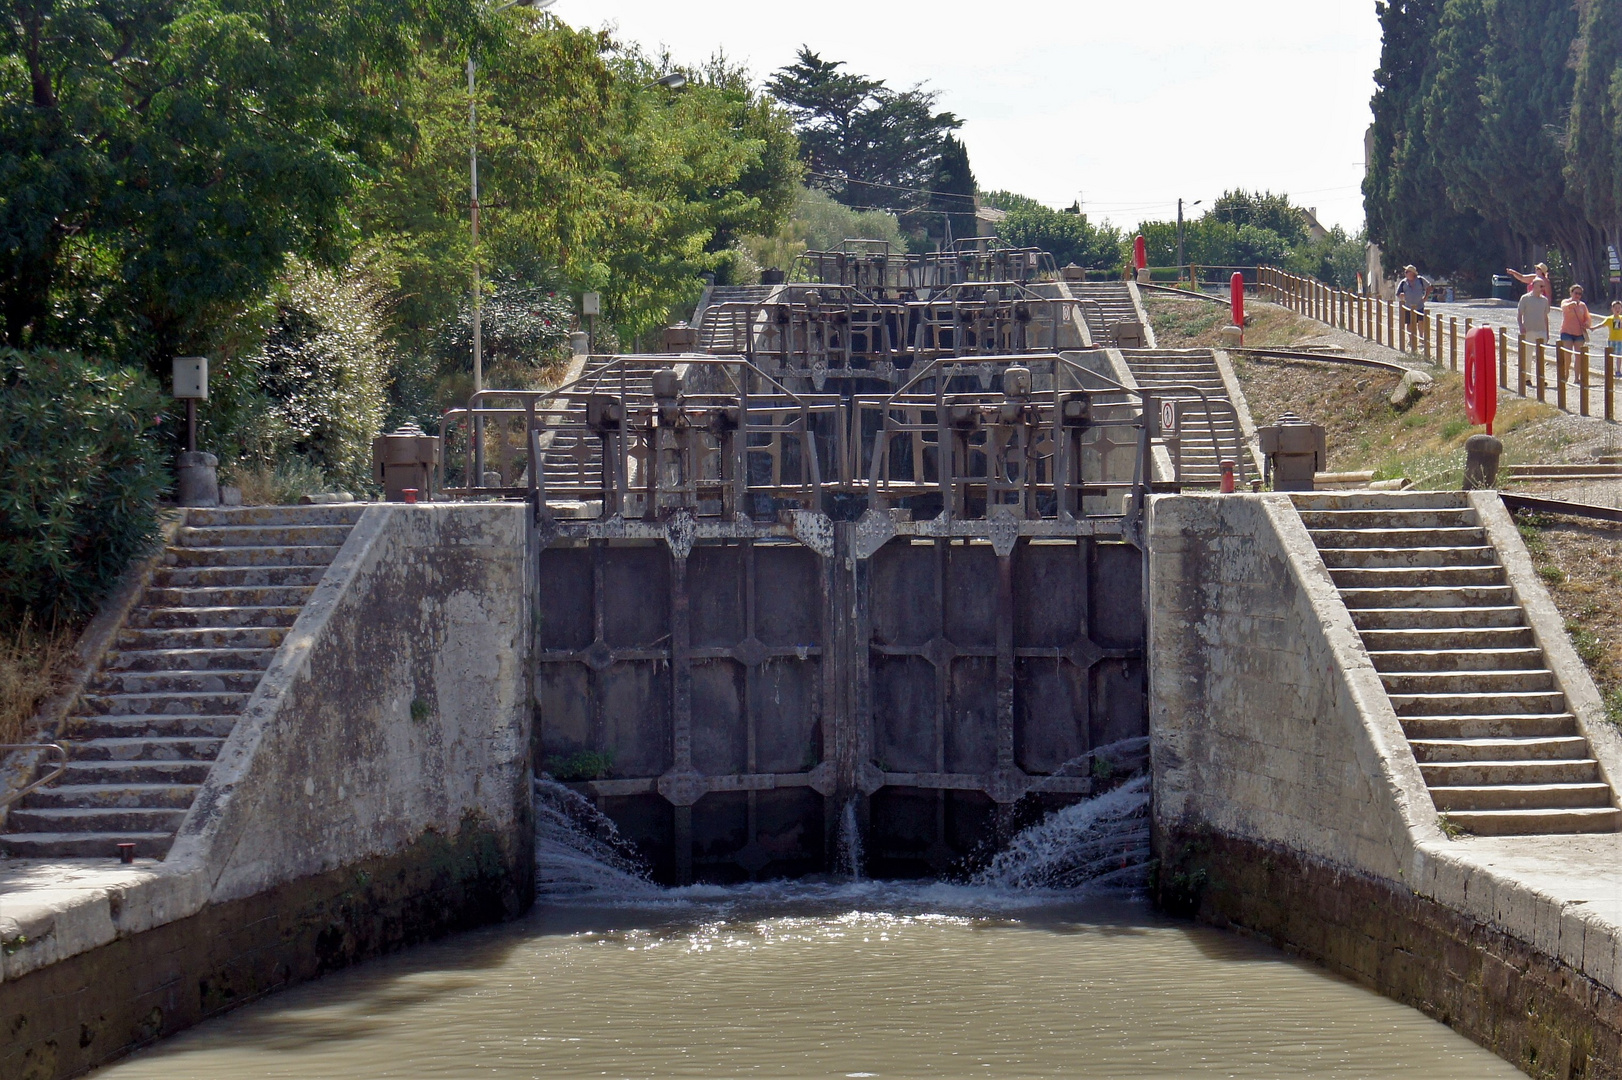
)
(62, 767)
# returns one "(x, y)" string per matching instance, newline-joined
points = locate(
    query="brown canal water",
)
(827, 980)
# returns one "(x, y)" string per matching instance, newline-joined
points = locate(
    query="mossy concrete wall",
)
(375, 792)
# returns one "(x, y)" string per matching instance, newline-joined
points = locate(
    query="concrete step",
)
(1466, 704)
(1520, 796)
(136, 772)
(1563, 472)
(81, 845)
(201, 637)
(1484, 773)
(1569, 747)
(335, 514)
(212, 704)
(1473, 660)
(111, 796)
(95, 819)
(1466, 682)
(1391, 520)
(237, 577)
(1460, 536)
(230, 596)
(159, 726)
(1395, 558)
(1405, 577)
(1490, 726)
(258, 555)
(159, 748)
(171, 618)
(188, 660)
(1471, 638)
(1417, 500)
(176, 682)
(1445, 618)
(1430, 596)
(1537, 822)
(262, 536)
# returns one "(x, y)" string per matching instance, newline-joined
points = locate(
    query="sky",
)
(1124, 105)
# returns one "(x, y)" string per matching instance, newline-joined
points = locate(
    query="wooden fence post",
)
(1503, 357)
(1453, 342)
(1610, 386)
(1520, 365)
(1560, 375)
(1580, 358)
(1542, 395)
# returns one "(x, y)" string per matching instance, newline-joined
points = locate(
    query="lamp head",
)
(674, 81)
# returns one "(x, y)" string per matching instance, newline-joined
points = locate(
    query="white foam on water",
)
(1099, 845)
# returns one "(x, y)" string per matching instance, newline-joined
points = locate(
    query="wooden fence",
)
(1526, 368)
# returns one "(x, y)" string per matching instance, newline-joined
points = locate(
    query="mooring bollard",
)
(409, 495)
(1227, 476)
(126, 853)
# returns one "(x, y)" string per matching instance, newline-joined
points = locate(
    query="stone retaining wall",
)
(375, 792)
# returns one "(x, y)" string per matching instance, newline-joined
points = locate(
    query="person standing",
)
(1532, 314)
(1411, 292)
(1539, 275)
(1613, 337)
(1575, 323)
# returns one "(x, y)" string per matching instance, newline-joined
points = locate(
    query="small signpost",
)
(197, 480)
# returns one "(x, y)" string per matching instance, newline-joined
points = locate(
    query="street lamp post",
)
(473, 207)
(1180, 263)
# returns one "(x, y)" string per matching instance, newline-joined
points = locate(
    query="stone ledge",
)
(71, 1016)
(1529, 1006)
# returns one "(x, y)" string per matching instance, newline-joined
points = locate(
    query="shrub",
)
(80, 479)
(323, 372)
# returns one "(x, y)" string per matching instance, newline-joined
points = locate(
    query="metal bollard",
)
(1227, 476)
(126, 853)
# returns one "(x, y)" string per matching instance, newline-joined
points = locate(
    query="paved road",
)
(1502, 313)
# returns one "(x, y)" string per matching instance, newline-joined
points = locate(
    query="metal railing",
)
(1024, 448)
(639, 437)
(61, 767)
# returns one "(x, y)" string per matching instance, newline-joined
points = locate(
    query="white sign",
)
(1168, 417)
(191, 377)
(591, 303)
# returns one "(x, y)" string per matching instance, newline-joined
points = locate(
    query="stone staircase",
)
(152, 719)
(1603, 469)
(1486, 719)
(1201, 457)
(725, 330)
(1111, 304)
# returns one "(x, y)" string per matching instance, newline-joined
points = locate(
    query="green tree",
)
(1594, 164)
(161, 159)
(868, 145)
(820, 223)
(1263, 210)
(1069, 238)
(951, 194)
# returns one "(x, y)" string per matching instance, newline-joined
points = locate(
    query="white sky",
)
(1127, 104)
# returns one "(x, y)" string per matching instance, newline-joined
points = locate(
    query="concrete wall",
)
(1288, 804)
(1268, 718)
(375, 792)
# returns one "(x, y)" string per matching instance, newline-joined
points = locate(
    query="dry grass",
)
(1581, 563)
(31, 661)
(1194, 324)
(1424, 442)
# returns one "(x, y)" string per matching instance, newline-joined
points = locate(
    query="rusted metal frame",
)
(681, 715)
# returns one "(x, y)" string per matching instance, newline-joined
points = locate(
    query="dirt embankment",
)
(1581, 563)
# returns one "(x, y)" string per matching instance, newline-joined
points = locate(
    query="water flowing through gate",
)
(772, 622)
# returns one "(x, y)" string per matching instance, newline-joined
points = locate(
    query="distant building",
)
(1315, 228)
(987, 220)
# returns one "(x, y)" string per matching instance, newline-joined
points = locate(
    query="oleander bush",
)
(80, 479)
